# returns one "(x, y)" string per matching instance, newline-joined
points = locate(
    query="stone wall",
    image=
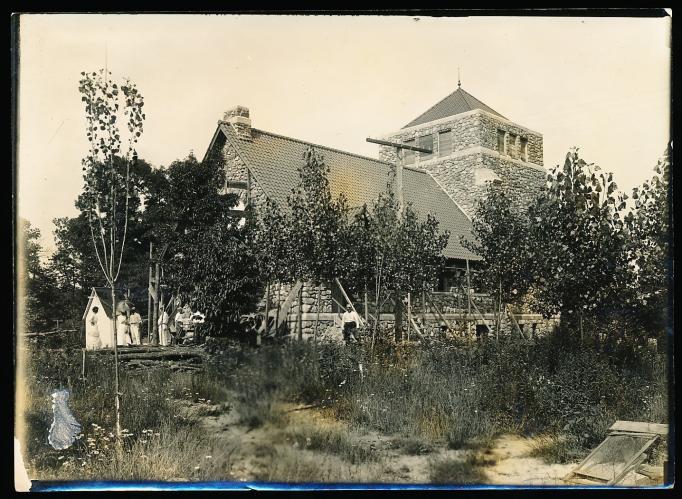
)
(474, 155)
(236, 171)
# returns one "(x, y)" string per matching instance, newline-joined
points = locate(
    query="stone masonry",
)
(474, 156)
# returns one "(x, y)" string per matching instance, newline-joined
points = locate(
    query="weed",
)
(460, 471)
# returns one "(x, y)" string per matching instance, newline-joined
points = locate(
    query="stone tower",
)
(472, 145)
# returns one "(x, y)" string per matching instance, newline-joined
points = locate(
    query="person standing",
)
(122, 330)
(135, 321)
(93, 329)
(350, 320)
(164, 335)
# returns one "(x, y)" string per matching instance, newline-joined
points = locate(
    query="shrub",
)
(453, 470)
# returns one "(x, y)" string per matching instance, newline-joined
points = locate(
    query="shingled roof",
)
(274, 159)
(457, 102)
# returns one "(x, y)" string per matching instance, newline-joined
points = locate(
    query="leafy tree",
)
(317, 225)
(501, 240)
(403, 251)
(649, 250)
(579, 241)
(273, 248)
(75, 260)
(40, 290)
(211, 252)
(106, 187)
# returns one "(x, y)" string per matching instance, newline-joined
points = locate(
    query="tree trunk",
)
(117, 396)
(300, 312)
(267, 313)
(279, 305)
(317, 313)
(398, 315)
(149, 300)
(409, 315)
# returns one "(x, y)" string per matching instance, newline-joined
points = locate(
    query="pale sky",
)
(602, 84)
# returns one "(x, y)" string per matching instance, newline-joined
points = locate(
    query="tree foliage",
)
(39, 284)
(579, 238)
(211, 255)
(106, 197)
(504, 245)
(317, 223)
(649, 251)
(579, 250)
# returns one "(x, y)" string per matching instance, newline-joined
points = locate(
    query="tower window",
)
(408, 155)
(524, 149)
(512, 150)
(426, 141)
(500, 141)
(445, 143)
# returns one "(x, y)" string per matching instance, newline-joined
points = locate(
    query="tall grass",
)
(457, 394)
(159, 443)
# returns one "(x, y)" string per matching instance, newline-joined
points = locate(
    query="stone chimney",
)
(238, 118)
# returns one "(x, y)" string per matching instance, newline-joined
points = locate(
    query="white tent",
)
(100, 298)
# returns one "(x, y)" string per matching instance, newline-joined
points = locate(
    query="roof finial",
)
(459, 82)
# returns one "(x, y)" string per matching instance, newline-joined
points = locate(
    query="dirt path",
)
(514, 467)
(269, 453)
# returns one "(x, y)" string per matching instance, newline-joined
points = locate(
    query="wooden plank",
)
(284, 311)
(416, 328)
(513, 320)
(640, 427)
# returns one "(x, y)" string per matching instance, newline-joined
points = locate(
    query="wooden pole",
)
(162, 309)
(300, 312)
(468, 300)
(155, 311)
(83, 368)
(149, 299)
(366, 309)
(399, 179)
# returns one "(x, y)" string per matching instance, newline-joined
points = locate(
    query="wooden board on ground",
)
(623, 451)
(640, 427)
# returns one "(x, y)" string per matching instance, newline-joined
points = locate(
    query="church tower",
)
(472, 144)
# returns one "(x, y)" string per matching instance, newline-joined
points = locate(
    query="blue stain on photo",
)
(64, 428)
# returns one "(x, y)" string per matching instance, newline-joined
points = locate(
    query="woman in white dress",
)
(122, 330)
(164, 335)
(93, 329)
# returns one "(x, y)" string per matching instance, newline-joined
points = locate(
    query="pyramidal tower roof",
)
(457, 102)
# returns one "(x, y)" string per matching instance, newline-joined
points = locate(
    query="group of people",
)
(128, 328)
(183, 323)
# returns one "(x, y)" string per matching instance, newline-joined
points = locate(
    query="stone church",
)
(471, 144)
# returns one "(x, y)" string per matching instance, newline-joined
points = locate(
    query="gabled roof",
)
(137, 295)
(457, 102)
(274, 159)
